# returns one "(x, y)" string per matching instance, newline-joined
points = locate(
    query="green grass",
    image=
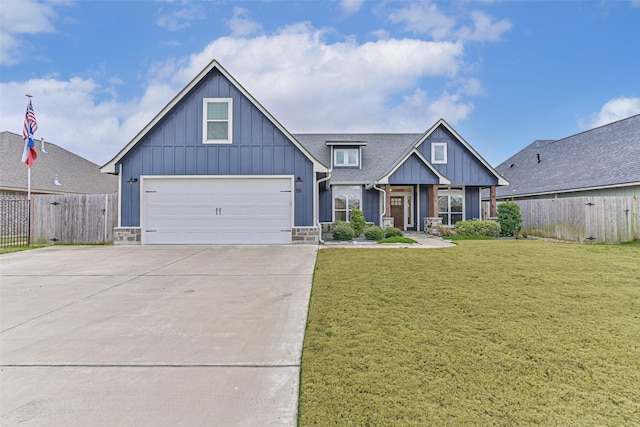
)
(9, 249)
(484, 333)
(397, 239)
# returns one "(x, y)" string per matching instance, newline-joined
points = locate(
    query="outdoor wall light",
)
(299, 185)
(133, 180)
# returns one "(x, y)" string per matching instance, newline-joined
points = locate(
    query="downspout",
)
(320, 181)
(384, 197)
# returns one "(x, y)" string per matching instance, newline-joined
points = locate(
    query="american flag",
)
(30, 127)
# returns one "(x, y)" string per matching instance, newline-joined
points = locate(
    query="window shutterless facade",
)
(346, 157)
(346, 198)
(438, 153)
(450, 205)
(217, 122)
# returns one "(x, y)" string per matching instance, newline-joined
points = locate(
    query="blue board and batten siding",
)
(174, 147)
(462, 167)
(413, 171)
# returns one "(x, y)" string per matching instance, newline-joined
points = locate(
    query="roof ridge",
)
(597, 127)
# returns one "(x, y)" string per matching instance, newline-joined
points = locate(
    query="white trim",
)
(120, 197)
(229, 121)
(345, 151)
(435, 145)
(418, 222)
(447, 191)
(110, 166)
(333, 201)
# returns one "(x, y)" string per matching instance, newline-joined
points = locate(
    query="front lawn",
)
(484, 333)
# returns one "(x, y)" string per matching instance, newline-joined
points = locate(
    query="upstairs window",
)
(217, 120)
(346, 157)
(439, 153)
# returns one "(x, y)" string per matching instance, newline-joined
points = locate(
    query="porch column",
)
(387, 200)
(493, 205)
(387, 221)
(432, 195)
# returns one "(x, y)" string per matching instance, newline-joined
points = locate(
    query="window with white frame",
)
(345, 199)
(438, 153)
(450, 205)
(346, 157)
(217, 121)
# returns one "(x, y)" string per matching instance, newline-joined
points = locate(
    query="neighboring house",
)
(214, 166)
(599, 163)
(56, 171)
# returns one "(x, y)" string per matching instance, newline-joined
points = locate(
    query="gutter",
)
(320, 181)
(384, 198)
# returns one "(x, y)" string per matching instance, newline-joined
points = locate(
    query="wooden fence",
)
(590, 219)
(73, 218)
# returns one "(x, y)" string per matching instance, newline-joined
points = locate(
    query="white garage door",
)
(206, 210)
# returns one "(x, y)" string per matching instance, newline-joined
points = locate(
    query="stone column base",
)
(127, 236)
(387, 222)
(431, 225)
(305, 235)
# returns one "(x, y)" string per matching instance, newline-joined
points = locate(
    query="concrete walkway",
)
(153, 336)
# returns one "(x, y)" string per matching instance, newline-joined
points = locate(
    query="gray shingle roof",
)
(605, 156)
(77, 174)
(382, 152)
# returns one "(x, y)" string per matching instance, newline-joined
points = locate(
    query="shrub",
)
(446, 231)
(509, 218)
(478, 228)
(357, 221)
(373, 232)
(392, 231)
(342, 231)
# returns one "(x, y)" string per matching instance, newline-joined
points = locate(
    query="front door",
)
(397, 211)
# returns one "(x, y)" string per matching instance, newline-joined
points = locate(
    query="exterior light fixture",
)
(132, 180)
(299, 185)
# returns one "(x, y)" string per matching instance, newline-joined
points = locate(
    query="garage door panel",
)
(217, 211)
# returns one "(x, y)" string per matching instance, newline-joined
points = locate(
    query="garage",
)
(216, 210)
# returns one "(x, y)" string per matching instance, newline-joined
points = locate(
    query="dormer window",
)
(346, 157)
(217, 121)
(346, 154)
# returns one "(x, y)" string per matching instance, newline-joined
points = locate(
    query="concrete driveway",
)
(151, 336)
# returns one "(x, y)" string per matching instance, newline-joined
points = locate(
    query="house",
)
(214, 167)
(56, 171)
(586, 176)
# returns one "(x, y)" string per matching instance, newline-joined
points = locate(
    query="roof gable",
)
(463, 167)
(606, 156)
(110, 167)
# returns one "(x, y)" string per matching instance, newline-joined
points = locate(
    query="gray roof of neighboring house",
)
(382, 152)
(76, 174)
(606, 156)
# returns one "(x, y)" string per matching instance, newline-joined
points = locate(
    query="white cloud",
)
(614, 110)
(19, 18)
(484, 28)
(349, 7)
(180, 18)
(242, 26)
(424, 18)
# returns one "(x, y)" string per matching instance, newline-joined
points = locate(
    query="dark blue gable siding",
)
(462, 167)
(174, 147)
(413, 171)
(471, 202)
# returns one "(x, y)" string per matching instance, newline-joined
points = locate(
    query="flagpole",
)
(28, 95)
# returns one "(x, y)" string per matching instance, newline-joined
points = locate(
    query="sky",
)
(502, 73)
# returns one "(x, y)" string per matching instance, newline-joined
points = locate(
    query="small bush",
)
(373, 232)
(446, 231)
(478, 228)
(342, 231)
(392, 232)
(357, 221)
(509, 218)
